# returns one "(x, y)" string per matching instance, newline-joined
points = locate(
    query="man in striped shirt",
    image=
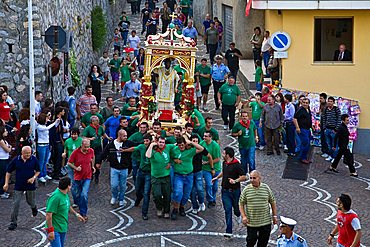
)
(254, 204)
(331, 121)
(84, 102)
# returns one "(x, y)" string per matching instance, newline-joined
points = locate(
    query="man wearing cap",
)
(288, 238)
(229, 96)
(219, 73)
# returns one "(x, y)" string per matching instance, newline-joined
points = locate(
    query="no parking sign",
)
(280, 41)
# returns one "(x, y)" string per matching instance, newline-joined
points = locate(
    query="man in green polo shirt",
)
(246, 131)
(203, 73)
(208, 127)
(57, 208)
(198, 119)
(183, 177)
(211, 171)
(129, 108)
(85, 120)
(229, 96)
(160, 156)
(254, 204)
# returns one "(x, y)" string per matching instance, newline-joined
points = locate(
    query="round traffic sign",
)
(280, 41)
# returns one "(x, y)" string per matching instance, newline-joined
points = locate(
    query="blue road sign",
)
(280, 41)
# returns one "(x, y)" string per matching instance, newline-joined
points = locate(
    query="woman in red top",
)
(4, 107)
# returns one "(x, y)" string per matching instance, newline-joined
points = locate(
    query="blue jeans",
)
(266, 58)
(329, 136)
(142, 186)
(182, 188)
(211, 189)
(230, 200)
(298, 143)
(259, 86)
(82, 194)
(135, 167)
(247, 157)
(118, 178)
(304, 136)
(71, 176)
(43, 152)
(124, 37)
(58, 240)
(260, 132)
(290, 137)
(197, 190)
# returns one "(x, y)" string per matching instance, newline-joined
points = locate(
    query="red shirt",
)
(346, 233)
(84, 161)
(4, 111)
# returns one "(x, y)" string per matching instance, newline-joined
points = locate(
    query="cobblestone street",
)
(310, 203)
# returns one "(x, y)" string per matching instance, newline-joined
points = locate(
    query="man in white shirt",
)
(38, 98)
(265, 50)
(134, 42)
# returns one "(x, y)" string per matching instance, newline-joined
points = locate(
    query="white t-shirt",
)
(118, 145)
(265, 44)
(134, 42)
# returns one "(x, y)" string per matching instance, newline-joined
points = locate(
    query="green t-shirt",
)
(125, 73)
(138, 138)
(144, 161)
(58, 204)
(229, 94)
(246, 140)
(116, 64)
(214, 149)
(214, 133)
(258, 74)
(256, 110)
(185, 6)
(178, 95)
(159, 161)
(206, 71)
(125, 111)
(178, 68)
(200, 117)
(86, 118)
(171, 140)
(90, 132)
(186, 157)
(71, 145)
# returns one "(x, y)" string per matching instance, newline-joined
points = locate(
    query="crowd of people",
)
(76, 137)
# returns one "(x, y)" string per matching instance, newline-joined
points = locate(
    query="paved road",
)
(311, 203)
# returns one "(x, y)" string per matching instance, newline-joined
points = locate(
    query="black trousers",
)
(259, 235)
(257, 54)
(228, 115)
(347, 156)
(165, 24)
(212, 52)
(216, 87)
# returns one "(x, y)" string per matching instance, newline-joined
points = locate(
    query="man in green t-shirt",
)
(208, 127)
(57, 208)
(246, 131)
(183, 178)
(85, 120)
(257, 107)
(203, 76)
(160, 156)
(210, 171)
(198, 119)
(229, 96)
(95, 132)
(129, 108)
(70, 145)
(114, 65)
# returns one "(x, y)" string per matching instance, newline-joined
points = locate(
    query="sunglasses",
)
(253, 177)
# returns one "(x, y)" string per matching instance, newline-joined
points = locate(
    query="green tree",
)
(98, 28)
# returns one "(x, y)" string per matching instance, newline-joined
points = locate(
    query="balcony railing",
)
(309, 4)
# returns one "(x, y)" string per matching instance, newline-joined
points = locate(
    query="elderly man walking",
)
(254, 204)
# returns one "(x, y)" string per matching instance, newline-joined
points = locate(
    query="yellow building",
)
(317, 28)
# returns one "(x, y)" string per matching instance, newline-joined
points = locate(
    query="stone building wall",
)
(73, 16)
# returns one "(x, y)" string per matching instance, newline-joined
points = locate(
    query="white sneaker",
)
(325, 155)
(202, 207)
(328, 158)
(225, 127)
(4, 196)
(122, 203)
(239, 219)
(195, 211)
(113, 201)
(261, 148)
(47, 177)
(285, 148)
(332, 161)
(42, 180)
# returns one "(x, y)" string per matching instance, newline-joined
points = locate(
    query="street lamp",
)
(31, 71)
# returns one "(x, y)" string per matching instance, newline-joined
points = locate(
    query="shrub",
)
(98, 28)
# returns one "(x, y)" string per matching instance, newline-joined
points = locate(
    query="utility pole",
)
(31, 71)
